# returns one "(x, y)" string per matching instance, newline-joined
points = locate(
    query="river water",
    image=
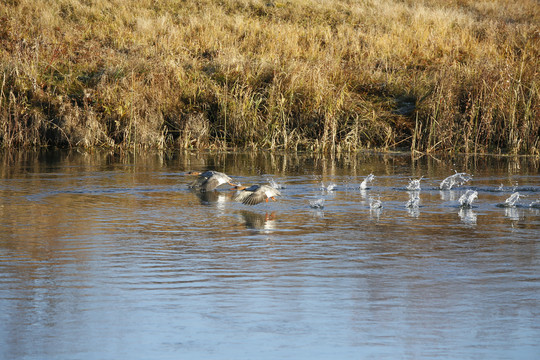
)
(106, 256)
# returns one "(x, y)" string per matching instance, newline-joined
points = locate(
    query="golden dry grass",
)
(458, 75)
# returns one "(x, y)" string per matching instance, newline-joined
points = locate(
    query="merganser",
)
(255, 194)
(209, 180)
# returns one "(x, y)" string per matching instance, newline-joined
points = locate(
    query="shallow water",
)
(105, 256)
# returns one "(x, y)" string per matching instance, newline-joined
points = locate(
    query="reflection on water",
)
(213, 197)
(258, 221)
(467, 215)
(512, 213)
(449, 195)
(364, 194)
(317, 204)
(413, 204)
(112, 256)
(375, 212)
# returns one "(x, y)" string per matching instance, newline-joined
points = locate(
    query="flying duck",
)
(209, 180)
(255, 194)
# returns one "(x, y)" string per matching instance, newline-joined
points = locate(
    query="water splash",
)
(414, 184)
(375, 204)
(535, 204)
(512, 200)
(457, 179)
(466, 200)
(366, 181)
(274, 184)
(328, 188)
(511, 188)
(317, 204)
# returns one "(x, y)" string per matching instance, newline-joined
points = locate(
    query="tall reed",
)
(318, 75)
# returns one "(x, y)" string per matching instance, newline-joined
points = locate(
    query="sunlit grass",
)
(316, 75)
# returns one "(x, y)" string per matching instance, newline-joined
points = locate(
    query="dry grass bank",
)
(458, 75)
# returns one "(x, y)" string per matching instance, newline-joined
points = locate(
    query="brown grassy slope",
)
(323, 75)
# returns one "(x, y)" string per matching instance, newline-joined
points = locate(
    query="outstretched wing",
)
(240, 196)
(255, 198)
(198, 183)
(215, 180)
(211, 183)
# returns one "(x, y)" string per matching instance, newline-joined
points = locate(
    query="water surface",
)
(105, 256)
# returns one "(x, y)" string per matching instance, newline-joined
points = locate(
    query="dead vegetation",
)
(314, 75)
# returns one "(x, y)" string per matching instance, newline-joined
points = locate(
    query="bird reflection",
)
(257, 221)
(212, 197)
(448, 195)
(467, 216)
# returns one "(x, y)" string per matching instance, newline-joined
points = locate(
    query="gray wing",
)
(216, 180)
(198, 183)
(201, 180)
(212, 183)
(240, 196)
(222, 175)
(255, 198)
